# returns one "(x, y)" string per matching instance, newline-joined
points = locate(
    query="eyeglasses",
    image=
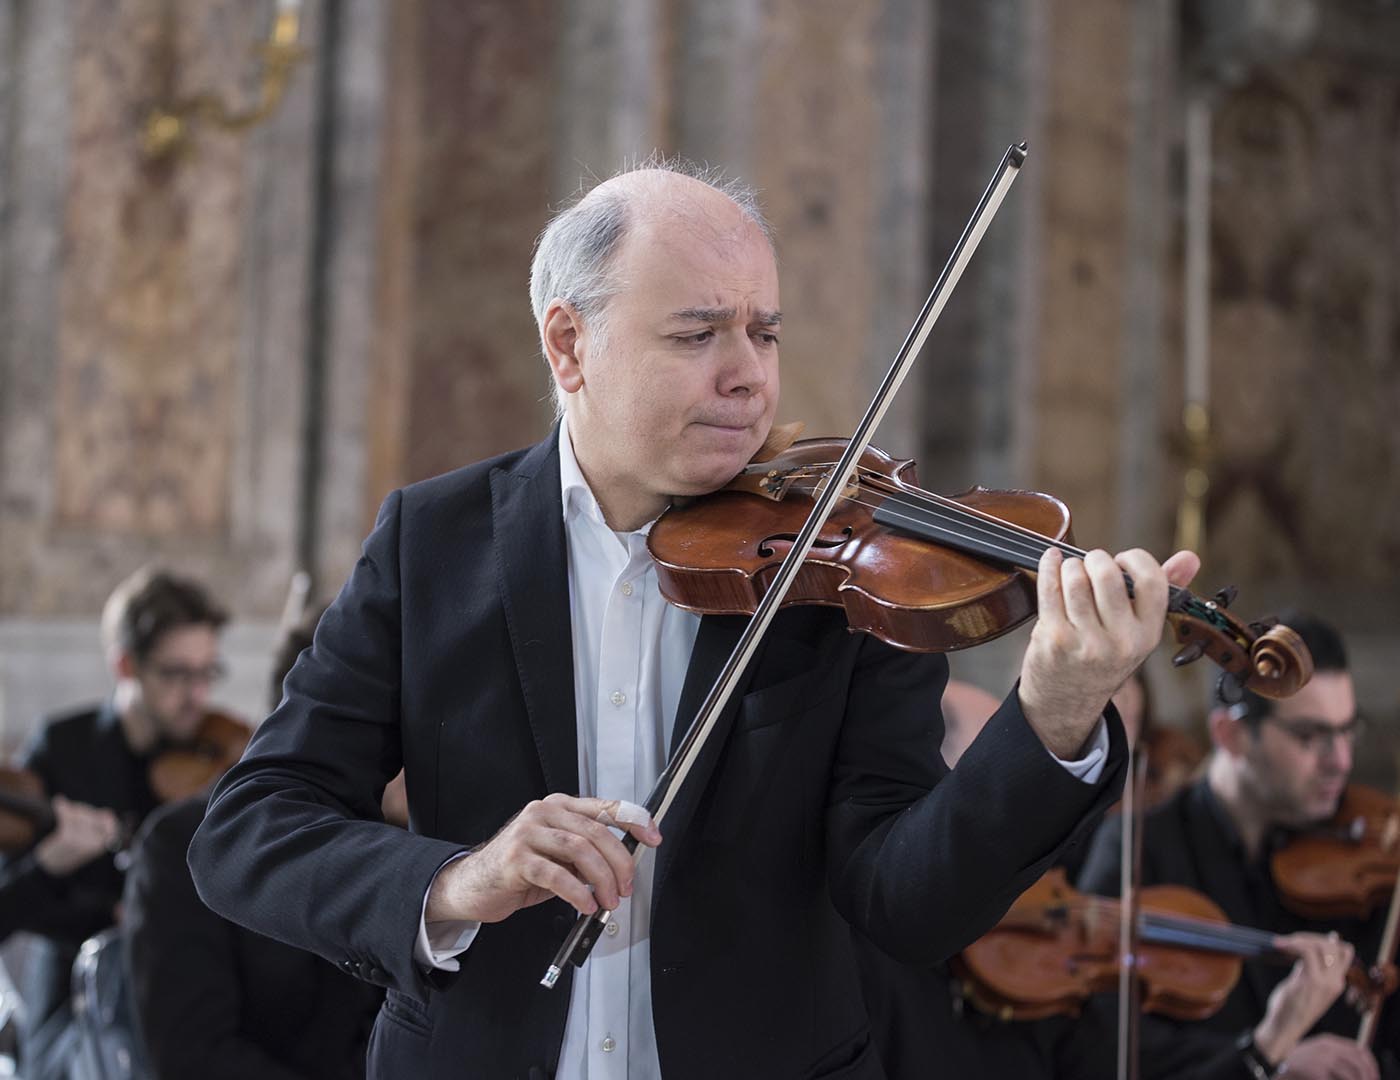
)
(187, 677)
(1314, 735)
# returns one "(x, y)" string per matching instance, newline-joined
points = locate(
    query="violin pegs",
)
(1226, 596)
(1190, 654)
(1230, 689)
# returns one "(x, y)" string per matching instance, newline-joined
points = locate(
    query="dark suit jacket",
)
(818, 801)
(213, 1000)
(84, 756)
(1189, 840)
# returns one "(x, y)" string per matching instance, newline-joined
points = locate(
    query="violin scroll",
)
(1265, 657)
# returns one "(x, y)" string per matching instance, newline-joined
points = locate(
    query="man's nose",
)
(1337, 753)
(744, 370)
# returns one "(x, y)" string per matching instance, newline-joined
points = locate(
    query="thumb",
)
(1182, 567)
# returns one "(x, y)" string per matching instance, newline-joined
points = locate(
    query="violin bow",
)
(1385, 955)
(588, 928)
(294, 606)
(1129, 930)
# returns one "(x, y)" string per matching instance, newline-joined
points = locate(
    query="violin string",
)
(1011, 549)
(1007, 539)
(1011, 541)
(1009, 545)
(1015, 555)
(1190, 930)
(950, 509)
(1034, 543)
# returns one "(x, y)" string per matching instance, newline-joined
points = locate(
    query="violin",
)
(188, 768)
(1346, 867)
(26, 812)
(26, 815)
(1056, 946)
(919, 571)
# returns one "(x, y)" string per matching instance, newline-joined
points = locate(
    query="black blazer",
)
(215, 1001)
(823, 798)
(84, 756)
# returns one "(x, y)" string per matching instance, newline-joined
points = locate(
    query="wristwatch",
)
(1254, 1060)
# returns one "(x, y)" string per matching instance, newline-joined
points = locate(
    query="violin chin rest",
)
(780, 437)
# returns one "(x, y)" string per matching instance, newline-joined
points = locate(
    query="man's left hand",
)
(1091, 636)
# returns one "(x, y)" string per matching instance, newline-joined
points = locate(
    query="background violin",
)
(919, 571)
(26, 815)
(181, 771)
(26, 812)
(1347, 866)
(1056, 946)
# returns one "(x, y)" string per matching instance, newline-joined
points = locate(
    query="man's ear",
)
(560, 333)
(122, 663)
(1228, 734)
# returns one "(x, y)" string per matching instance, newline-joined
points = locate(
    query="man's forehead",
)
(186, 638)
(686, 272)
(1329, 695)
(720, 228)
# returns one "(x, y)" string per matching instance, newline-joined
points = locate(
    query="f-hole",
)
(765, 546)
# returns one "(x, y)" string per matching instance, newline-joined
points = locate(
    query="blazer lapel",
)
(715, 640)
(527, 529)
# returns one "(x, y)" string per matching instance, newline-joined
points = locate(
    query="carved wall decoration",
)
(1304, 310)
(150, 296)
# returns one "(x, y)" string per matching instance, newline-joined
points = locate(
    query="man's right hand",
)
(1318, 978)
(558, 846)
(1329, 1057)
(81, 833)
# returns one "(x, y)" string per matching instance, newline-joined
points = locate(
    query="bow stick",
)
(1386, 955)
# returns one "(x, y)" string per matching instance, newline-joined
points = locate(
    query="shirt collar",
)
(576, 497)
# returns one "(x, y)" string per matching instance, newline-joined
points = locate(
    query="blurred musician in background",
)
(161, 635)
(1277, 767)
(213, 1000)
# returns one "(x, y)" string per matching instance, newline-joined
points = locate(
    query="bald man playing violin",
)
(504, 640)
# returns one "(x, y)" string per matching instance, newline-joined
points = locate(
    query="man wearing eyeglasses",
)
(1278, 767)
(161, 635)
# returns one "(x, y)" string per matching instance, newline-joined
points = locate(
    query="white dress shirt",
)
(631, 652)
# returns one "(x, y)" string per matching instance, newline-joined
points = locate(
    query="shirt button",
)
(626, 588)
(609, 1045)
(618, 697)
(612, 929)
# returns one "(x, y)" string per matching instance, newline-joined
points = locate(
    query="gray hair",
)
(573, 255)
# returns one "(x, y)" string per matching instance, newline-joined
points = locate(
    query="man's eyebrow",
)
(723, 315)
(704, 314)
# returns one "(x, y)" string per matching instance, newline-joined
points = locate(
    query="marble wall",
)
(226, 361)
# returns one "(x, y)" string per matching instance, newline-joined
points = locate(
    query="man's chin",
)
(184, 730)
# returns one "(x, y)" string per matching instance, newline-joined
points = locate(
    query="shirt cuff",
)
(440, 943)
(1090, 767)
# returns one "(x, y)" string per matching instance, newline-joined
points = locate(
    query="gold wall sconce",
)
(168, 129)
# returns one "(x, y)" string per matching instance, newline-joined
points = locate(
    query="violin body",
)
(919, 571)
(188, 769)
(1347, 867)
(25, 813)
(717, 555)
(1056, 946)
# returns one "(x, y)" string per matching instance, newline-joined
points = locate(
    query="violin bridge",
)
(850, 491)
